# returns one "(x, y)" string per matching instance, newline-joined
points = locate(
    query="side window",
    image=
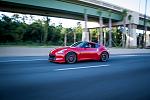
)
(97, 45)
(92, 45)
(85, 45)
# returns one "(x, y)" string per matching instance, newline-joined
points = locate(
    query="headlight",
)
(52, 50)
(61, 51)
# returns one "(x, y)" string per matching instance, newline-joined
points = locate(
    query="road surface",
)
(123, 77)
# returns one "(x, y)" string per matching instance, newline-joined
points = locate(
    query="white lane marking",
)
(127, 55)
(75, 68)
(23, 60)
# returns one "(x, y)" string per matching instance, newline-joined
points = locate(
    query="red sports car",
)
(79, 51)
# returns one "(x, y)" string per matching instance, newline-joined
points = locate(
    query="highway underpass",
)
(88, 10)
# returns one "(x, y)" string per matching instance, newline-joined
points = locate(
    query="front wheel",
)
(104, 56)
(71, 57)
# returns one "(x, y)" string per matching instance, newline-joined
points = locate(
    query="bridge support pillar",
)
(100, 36)
(110, 33)
(131, 41)
(85, 34)
(148, 38)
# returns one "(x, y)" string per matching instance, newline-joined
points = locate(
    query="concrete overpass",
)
(88, 10)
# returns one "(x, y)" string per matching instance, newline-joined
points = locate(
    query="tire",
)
(104, 56)
(71, 57)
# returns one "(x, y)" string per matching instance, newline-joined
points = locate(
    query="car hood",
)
(58, 49)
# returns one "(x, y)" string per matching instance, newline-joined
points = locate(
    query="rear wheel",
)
(71, 57)
(104, 56)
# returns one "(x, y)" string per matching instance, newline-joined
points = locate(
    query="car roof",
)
(89, 42)
(92, 42)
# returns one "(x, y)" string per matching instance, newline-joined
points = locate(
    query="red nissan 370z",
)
(79, 51)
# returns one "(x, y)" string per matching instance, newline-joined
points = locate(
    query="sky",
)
(135, 5)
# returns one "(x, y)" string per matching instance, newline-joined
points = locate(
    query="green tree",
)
(6, 29)
(54, 34)
(78, 30)
(70, 35)
(15, 18)
(94, 35)
(64, 34)
(34, 32)
(46, 25)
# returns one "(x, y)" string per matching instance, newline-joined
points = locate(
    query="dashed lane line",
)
(26, 60)
(75, 68)
(22, 60)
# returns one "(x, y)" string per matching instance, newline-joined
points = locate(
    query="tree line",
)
(15, 30)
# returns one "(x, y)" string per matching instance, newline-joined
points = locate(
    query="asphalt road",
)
(123, 77)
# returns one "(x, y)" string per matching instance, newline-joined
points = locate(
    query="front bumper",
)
(60, 58)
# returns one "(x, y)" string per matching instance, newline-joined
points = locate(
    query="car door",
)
(88, 52)
(83, 55)
(92, 51)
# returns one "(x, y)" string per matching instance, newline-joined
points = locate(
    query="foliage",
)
(15, 30)
(94, 35)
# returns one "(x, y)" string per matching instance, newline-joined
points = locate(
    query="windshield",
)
(78, 44)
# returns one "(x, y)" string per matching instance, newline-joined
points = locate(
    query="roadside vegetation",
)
(15, 30)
